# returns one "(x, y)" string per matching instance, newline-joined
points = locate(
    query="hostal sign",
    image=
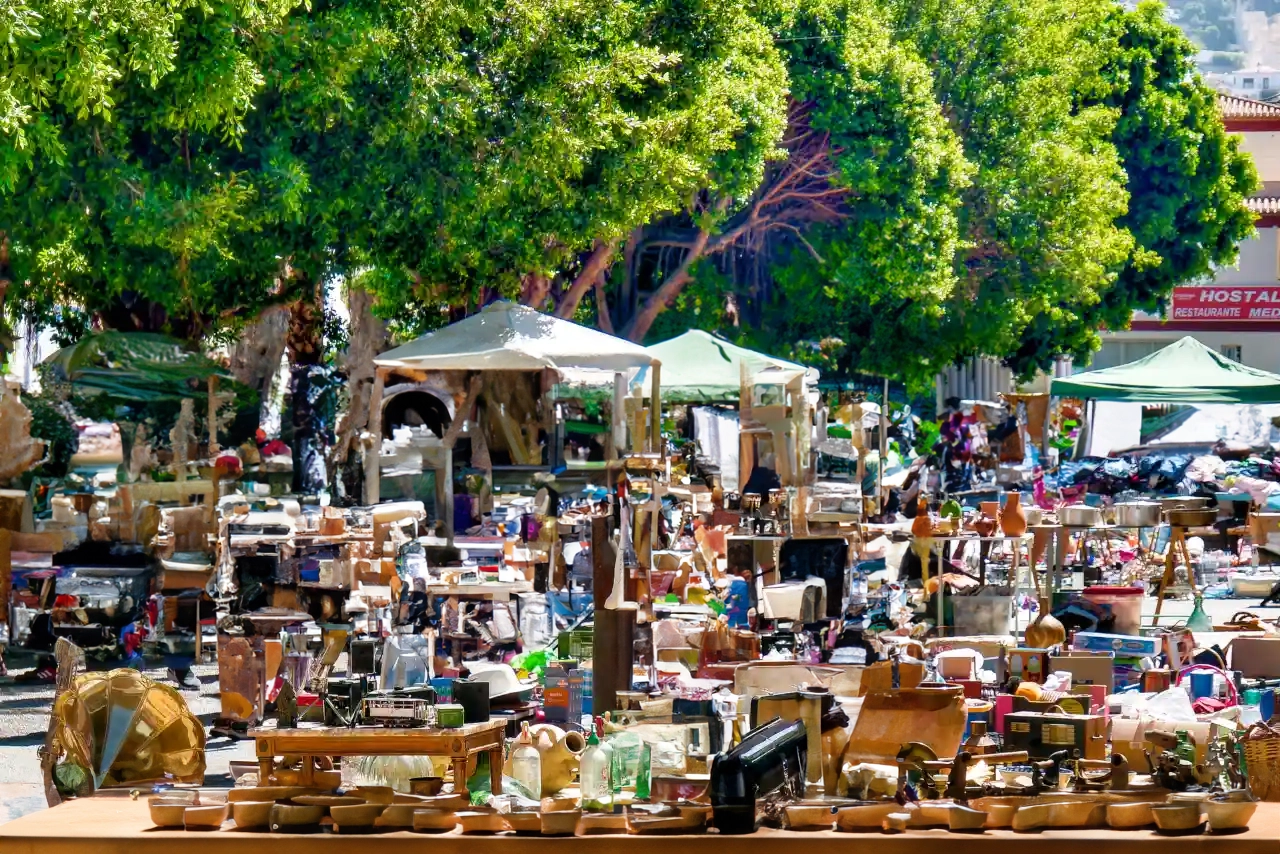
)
(1249, 302)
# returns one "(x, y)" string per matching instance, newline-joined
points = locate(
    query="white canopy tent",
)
(505, 336)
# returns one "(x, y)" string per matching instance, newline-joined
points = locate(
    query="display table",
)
(111, 823)
(458, 744)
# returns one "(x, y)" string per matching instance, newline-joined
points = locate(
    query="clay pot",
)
(1013, 522)
(559, 751)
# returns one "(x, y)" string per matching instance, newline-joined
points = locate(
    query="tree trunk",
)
(592, 272)
(603, 319)
(305, 343)
(366, 339)
(255, 358)
(669, 290)
(4, 289)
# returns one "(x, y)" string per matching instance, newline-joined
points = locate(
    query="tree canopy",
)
(891, 186)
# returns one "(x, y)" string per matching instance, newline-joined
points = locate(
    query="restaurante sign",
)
(1248, 302)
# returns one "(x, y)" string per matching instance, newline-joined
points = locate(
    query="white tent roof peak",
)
(504, 336)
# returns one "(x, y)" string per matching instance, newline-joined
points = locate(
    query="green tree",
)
(1187, 180)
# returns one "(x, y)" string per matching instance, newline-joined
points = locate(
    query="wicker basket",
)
(1262, 761)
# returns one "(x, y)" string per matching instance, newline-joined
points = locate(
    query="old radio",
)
(1044, 733)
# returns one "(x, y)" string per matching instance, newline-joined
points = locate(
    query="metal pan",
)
(1138, 514)
(1079, 516)
(1191, 518)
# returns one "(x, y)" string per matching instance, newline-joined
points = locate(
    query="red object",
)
(132, 642)
(227, 464)
(1226, 304)
(1104, 590)
(276, 448)
(308, 699)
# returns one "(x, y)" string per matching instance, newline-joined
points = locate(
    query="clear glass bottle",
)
(595, 773)
(526, 764)
(615, 778)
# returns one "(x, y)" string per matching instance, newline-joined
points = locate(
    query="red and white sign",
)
(1226, 304)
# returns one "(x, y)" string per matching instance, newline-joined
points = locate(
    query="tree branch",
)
(592, 270)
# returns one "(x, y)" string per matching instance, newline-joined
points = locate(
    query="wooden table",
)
(110, 823)
(458, 744)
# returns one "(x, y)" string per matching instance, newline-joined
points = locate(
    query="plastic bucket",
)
(1124, 603)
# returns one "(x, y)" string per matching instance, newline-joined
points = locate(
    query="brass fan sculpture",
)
(123, 728)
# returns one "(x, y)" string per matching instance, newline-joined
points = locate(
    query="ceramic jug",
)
(559, 751)
(1013, 522)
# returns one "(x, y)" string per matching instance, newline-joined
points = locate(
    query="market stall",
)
(505, 360)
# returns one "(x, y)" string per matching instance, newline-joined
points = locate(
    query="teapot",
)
(559, 752)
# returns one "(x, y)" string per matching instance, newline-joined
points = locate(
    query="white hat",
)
(501, 678)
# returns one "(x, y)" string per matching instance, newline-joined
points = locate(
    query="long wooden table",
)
(311, 741)
(111, 823)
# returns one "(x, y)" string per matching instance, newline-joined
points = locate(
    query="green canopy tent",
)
(1184, 372)
(698, 367)
(137, 367)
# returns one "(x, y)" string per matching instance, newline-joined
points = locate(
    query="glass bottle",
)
(1199, 621)
(526, 764)
(615, 778)
(594, 776)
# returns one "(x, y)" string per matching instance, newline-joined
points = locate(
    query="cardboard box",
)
(1087, 668)
(1264, 530)
(1256, 658)
(1128, 645)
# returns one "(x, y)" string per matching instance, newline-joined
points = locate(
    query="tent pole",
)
(655, 400)
(884, 447)
(372, 474)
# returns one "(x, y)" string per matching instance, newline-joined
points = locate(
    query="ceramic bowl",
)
(434, 821)
(248, 814)
(355, 815)
(481, 821)
(327, 801)
(1229, 815)
(204, 817)
(688, 809)
(329, 780)
(290, 816)
(896, 822)
(184, 796)
(453, 803)
(426, 785)
(397, 815)
(809, 816)
(167, 813)
(1174, 818)
(374, 794)
(961, 818)
(558, 804)
(560, 822)
(264, 793)
(864, 816)
(524, 822)
(1122, 816)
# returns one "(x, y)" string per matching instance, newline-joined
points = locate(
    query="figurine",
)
(286, 706)
(957, 778)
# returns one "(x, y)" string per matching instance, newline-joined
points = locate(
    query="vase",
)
(922, 526)
(1013, 522)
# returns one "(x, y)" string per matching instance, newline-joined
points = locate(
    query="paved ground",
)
(24, 715)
